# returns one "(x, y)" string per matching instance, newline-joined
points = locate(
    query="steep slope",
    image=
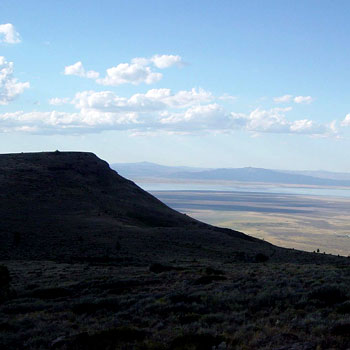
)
(71, 205)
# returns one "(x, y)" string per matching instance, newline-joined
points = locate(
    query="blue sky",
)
(200, 83)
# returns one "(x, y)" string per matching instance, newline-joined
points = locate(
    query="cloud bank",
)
(158, 110)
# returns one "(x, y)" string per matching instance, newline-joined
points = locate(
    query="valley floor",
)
(302, 222)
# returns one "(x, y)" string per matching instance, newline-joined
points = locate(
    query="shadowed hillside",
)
(71, 205)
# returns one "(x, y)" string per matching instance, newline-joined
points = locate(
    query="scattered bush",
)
(341, 329)
(4, 276)
(208, 279)
(159, 268)
(195, 342)
(328, 295)
(211, 271)
(92, 307)
(185, 298)
(260, 258)
(189, 318)
(344, 308)
(5, 290)
(103, 340)
(50, 293)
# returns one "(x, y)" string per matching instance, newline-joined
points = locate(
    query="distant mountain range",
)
(249, 174)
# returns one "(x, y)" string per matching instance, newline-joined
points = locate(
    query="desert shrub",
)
(211, 271)
(208, 279)
(195, 342)
(328, 295)
(211, 319)
(90, 307)
(4, 276)
(16, 239)
(341, 329)
(50, 293)
(185, 298)
(5, 290)
(344, 308)
(189, 318)
(103, 340)
(25, 307)
(159, 268)
(86, 308)
(260, 258)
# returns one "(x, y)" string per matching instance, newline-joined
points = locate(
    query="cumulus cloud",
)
(283, 99)
(272, 120)
(10, 87)
(158, 111)
(227, 97)
(346, 121)
(166, 61)
(295, 99)
(207, 117)
(303, 99)
(129, 73)
(55, 122)
(56, 101)
(78, 70)
(8, 34)
(275, 121)
(140, 70)
(152, 100)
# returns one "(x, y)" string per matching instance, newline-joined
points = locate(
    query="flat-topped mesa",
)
(76, 182)
(71, 203)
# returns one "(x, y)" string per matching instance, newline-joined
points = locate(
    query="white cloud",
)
(346, 121)
(208, 117)
(283, 99)
(272, 120)
(296, 99)
(62, 122)
(159, 61)
(227, 97)
(152, 100)
(8, 34)
(275, 121)
(166, 61)
(139, 71)
(78, 70)
(59, 101)
(158, 111)
(306, 126)
(10, 87)
(303, 99)
(126, 73)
